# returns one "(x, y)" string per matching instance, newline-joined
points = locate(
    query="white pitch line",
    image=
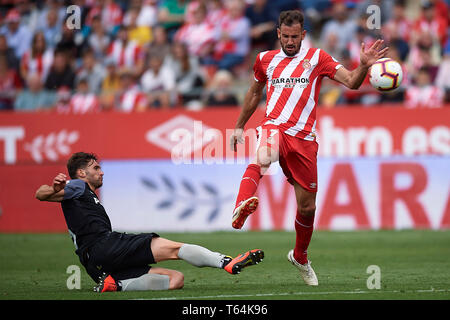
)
(298, 294)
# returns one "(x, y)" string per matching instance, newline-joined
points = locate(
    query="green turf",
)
(414, 265)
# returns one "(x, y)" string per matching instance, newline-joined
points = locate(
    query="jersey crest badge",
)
(306, 64)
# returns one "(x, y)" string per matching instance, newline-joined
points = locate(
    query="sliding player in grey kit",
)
(120, 261)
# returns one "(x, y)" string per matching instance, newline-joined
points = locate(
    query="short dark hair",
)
(290, 17)
(79, 160)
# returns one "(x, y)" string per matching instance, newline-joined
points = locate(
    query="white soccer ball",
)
(386, 74)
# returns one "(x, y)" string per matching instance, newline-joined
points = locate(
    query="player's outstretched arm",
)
(55, 192)
(251, 101)
(353, 79)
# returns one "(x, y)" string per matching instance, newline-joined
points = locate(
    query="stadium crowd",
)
(151, 54)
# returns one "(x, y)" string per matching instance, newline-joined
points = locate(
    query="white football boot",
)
(306, 271)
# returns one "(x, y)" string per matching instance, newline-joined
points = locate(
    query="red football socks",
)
(304, 228)
(249, 183)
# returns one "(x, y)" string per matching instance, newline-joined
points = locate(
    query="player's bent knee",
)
(176, 280)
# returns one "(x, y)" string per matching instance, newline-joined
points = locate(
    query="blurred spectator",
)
(132, 98)
(399, 26)
(10, 84)
(51, 29)
(158, 82)
(38, 59)
(220, 92)
(198, 35)
(142, 35)
(160, 44)
(29, 13)
(263, 17)
(111, 86)
(442, 9)
(397, 30)
(98, 40)
(50, 5)
(62, 103)
(430, 24)
(331, 46)
(423, 94)
(126, 53)
(18, 35)
(34, 97)
(148, 15)
(72, 42)
(341, 26)
(443, 76)
(8, 52)
(315, 12)
(61, 73)
(93, 71)
(108, 102)
(233, 42)
(131, 12)
(83, 101)
(189, 80)
(216, 11)
(171, 15)
(110, 14)
(111, 81)
(424, 53)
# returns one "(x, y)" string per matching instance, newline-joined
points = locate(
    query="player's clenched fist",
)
(236, 138)
(59, 182)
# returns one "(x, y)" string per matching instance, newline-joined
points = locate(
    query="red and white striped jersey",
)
(293, 85)
(125, 55)
(429, 96)
(196, 36)
(111, 15)
(40, 64)
(132, 100)
(81, 103)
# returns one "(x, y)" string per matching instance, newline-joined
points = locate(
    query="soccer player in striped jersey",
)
(293, 76)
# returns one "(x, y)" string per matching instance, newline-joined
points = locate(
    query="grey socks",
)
(149, 281)
(200, 257)
(195, 255)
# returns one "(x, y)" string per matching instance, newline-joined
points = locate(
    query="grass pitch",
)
(413, 264)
